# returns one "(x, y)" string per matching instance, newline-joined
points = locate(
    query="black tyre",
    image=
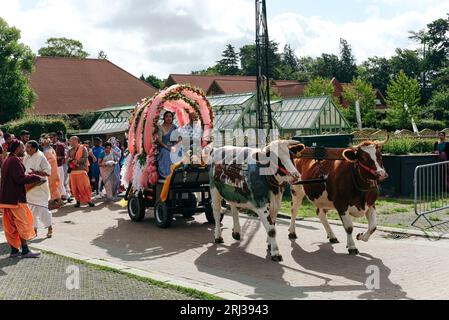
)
(210, 215)
(189, 206)
(136, 208)
(162, 215)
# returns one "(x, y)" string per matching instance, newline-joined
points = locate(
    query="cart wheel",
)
(210, 215)
(136, 208)
(163, 216)
(190, 206)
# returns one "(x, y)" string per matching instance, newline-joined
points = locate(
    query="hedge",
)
(404, 146)
(35, 125)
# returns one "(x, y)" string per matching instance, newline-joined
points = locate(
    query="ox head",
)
(368, 156)
(279, 156)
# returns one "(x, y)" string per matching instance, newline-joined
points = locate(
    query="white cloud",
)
(162, 37)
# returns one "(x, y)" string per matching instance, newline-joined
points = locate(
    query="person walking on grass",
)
(38, 196)
(79, 180)
(17, 219)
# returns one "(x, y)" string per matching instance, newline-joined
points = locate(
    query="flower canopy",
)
(182, 100)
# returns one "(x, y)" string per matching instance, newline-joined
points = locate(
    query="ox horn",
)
(382, 143)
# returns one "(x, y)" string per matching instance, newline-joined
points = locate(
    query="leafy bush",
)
(431, 124)
(84, 121)
(35, 125)
(405, 146)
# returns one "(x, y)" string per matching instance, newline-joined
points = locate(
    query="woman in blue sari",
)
(167, 140)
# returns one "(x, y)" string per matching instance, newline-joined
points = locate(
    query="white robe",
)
(40, 195)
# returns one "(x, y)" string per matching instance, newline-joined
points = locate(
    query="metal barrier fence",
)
(431, 190)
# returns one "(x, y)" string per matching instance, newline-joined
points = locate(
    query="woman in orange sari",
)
(53, 180)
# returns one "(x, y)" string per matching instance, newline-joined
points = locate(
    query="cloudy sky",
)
(177, 36)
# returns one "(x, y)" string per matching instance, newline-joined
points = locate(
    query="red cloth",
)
(14, 179)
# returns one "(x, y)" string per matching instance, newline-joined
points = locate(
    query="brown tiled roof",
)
(294, 90)
(202, 82)
(231, 86)
(72, 86)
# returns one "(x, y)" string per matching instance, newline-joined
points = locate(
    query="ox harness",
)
(319, 154)
(356, 168)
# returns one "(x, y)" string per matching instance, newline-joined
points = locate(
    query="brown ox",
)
(351, 189)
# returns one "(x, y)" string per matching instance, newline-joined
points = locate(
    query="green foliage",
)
(102, 55)
(319, 87)
(154, 81)
(347, 68)
(377, 71)
(365, 94)
(36, 126)
(63, 47)
(16, 64)
(436, 125)
(404, 146)
(84, 121)
(402, 92)
(248, 60)
(407, 61)
(439, 105)
(229, 64)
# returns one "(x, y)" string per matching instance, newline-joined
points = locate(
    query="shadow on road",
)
(326, 261)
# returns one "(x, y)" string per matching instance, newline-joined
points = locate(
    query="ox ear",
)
(350, 155)
(296, 150)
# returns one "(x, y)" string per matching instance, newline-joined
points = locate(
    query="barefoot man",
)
(36, 163)
(17, 217)
(79, 166)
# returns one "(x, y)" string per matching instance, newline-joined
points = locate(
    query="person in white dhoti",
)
(38, 196)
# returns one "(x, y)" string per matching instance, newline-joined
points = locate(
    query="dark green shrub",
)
(84, 121)
(431, 124)
(35, 125)
(404, 146)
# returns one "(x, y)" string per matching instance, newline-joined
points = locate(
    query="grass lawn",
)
(397, 213)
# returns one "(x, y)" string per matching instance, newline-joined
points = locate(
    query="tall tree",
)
(327, 66)
(249, 63)
(347, 68)
(376, 71)
(154, 81)
(408, 61)
(403, 91)
(363, 92)
(16, 64)
(319, 87)
(439, 105)
(63, 47)
(229, 64)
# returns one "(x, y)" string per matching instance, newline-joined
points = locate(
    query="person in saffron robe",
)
(60, 154)
(53, 180)
(78, 166)
(17, 217)
(38, 197)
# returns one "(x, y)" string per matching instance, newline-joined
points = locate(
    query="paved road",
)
(46, 278)
(413, 268)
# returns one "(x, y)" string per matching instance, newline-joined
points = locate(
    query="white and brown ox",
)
(253, 179)
(351, 189)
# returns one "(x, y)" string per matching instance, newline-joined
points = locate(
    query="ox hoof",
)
(236, 236)
(353, 252)
(359, 236)
(292, 236)
(219, 241)
(277, 258)
(334, 241)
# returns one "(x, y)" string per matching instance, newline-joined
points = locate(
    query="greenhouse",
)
(302, 116)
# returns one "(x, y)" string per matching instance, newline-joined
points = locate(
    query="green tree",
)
(408, 61)
(376, 71)
(211, 71)
(249, 64)
(439, 105)
(229, 64)
(319, 87)
(363, 92)
(401, 92)
(63, 47)
(16, 64)
(347, 68)
(154, 81)
(326, 66)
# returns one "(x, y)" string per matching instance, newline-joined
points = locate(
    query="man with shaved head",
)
(79, 166)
